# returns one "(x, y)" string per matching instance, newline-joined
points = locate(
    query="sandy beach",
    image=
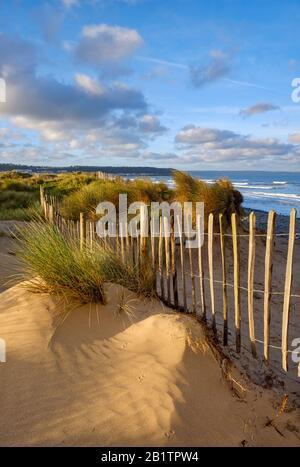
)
(104, 378)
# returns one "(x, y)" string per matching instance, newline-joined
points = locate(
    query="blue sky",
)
(183, 83)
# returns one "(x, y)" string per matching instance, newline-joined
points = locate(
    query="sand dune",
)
(104, 378)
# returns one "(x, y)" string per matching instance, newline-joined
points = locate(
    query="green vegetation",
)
(88, 197)
(55, 264)
(19, 192)
(218, 197)
(82, 192)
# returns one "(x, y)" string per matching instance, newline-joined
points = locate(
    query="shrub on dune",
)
(218, 197)
(56, 265)
(88, 197)
(140, 279)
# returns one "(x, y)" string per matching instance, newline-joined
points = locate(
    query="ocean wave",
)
(262, 194)
(279, 183)
(255, 187)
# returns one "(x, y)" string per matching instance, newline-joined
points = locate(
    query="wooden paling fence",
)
(200, 280)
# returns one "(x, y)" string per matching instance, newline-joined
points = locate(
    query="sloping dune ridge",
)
(107, 378)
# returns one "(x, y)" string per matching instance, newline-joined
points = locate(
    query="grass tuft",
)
(55, 264)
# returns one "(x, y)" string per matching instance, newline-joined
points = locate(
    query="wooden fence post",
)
(287, 289)
(192, 280)
(167, 253)
(182, 263)
(82, 230)
(42, 198)
(51, 214)
(224, 285)
(122, 242)
(251, 266)
(236, 269)
(152, 246)
(200, 269)
(211, 268)
(92, 234)
(174, 269)
(143, 233)
(160, 259)
(268, 281)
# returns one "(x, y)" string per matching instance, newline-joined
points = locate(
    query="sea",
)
(262, 191)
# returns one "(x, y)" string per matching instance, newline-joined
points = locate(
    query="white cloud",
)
(213, 146)
(294, 138)
(151, 124)
(261, 107)
(101, 44)
(217, 66)
(192, 134)
(70, 3)
(84, 117)
(89, 85)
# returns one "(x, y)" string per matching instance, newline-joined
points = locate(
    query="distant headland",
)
(87, 168)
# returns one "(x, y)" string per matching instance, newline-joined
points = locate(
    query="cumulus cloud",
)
(18, 57)
(70, 3)
(44, 98)
(261, 107)
(103, 44)
(294, 138)
(151, 124)
(218, 65)
(214, 146)
(83, 116)
(193, 135)
(89, 85)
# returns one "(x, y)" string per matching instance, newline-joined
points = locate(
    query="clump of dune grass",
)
(139, 278)
(219, 197)
(20, 214)
(55, 265)
(87, 197)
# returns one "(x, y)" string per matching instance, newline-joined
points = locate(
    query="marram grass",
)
(55, 264)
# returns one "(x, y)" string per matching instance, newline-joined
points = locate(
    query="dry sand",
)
(105, 378)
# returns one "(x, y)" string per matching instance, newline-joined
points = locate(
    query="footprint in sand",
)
(141, 378)
(169, 434)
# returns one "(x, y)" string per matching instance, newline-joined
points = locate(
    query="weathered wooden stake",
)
(192, 275)
(182, 263)
(160, 259)
(224, 281)
(236, 269)
(251, 266)
(167, 254)
(287, 289)
(268, 281)
(82, 230)
(200, 269)
(174, 269)
(211, 268)
(51, 213)
(121, 232)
